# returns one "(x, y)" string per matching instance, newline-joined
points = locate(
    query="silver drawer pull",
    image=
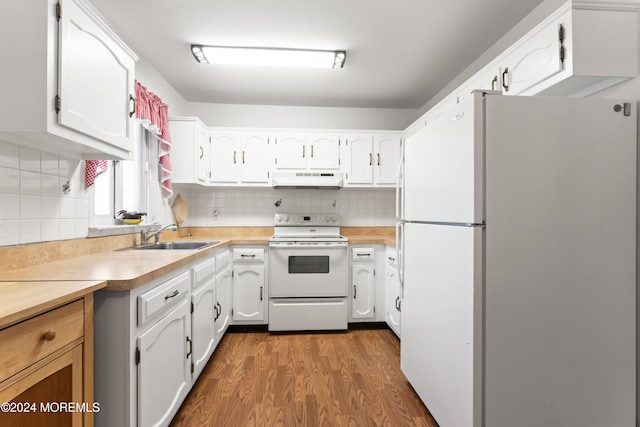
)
(173, 294)
(247, 256)
(361, 254)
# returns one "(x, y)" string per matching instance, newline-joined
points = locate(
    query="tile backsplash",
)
(33, 205)
(256, 207)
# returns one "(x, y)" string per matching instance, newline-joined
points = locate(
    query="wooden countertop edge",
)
(28, 299)
(185, 258)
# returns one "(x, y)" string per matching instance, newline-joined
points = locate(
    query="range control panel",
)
(284, 219)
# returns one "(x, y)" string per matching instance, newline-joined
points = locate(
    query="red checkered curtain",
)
(92, 169)
(154, 115)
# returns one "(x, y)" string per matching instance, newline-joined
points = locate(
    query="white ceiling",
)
(399, 53)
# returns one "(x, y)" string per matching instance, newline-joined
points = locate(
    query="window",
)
(123, 186)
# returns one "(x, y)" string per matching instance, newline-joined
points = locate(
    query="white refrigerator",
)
(517, 246)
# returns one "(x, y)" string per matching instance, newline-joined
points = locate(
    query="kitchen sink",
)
(175, 245)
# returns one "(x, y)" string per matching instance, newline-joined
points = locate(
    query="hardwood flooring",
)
(350, 378)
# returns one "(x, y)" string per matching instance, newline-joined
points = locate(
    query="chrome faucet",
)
(145, 236)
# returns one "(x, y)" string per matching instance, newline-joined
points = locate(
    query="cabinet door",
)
(360, 168)
(60, 380)
(324, 151)
(255, 159)
(95, 80)
(223, 302)
(224, 158)
(204, 154)
(363, 291)
(248, 292)
(164, 373)
(387, 159)
(534, 60)
(291, 151)
(393, 301)
(203, 331)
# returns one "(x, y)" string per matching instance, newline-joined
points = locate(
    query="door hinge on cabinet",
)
(561, 38)
(192, 307)
(58, 104)
(58, 11)
(137, 355)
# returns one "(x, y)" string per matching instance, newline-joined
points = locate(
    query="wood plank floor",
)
(350, 378)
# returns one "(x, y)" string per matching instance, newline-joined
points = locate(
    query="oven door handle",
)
(303, 246)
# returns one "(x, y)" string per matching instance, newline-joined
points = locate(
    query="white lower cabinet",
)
(222, 306)
(249, 285)
(367, 287)
(152, 342)
(203, 299)
(393, 303)
(163, 355)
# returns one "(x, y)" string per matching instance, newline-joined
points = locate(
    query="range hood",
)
(307, 180)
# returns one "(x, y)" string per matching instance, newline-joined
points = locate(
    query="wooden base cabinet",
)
(46, 368)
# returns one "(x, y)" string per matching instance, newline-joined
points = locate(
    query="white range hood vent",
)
(307, 180)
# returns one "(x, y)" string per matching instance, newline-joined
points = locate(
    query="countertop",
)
(22, 300)
(126, 269)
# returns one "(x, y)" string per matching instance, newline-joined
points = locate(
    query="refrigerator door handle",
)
(399, 188)
(399, 255)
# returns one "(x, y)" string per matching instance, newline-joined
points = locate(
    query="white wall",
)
(274, 116)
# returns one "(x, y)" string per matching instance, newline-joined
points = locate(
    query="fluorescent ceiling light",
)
(268, 56)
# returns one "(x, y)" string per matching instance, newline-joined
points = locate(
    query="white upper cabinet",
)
(575, 52)
(300, 151)
(69, 81)
(191, 156)
(324, 151)
(387, 158)
(240, 158)
(372, 159)
(360, 159)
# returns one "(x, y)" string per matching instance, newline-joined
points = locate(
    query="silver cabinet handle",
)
(355, 291)
(370, 159)
(312, 151)
(243, 157)
(247, 255)
(234, 157)
(303, 151)
(260, 293)
(505, 79)
(494, 82)
(190, 347)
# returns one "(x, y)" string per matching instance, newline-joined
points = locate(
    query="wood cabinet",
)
(46, 366)
(239, 158)
(71, 81)
(191, 160)
(307, 151)
(372, 159)
(249, 285)
(393, 299)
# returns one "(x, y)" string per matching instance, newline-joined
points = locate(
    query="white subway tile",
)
(30, 183)
(30, 207)
(51, 207)
(50, 229)
(9, 180)
(49, 163)
(9, 206)
(29, 230)
(9, 155)
(9, 232)
(67, 228)
(29, 159)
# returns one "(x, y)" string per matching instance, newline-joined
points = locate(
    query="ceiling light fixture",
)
(268, 56)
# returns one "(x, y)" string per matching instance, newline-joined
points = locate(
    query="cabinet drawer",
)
(250, 255)
(362, 254)
(163, 295)
(38, 337)
(223, 260)
(204, 272)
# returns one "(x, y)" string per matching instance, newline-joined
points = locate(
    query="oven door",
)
(300, 270)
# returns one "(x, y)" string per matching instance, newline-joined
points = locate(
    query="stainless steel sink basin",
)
(176, 245)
